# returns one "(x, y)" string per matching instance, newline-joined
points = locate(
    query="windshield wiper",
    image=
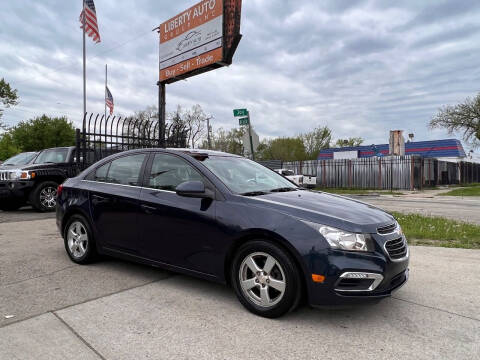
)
(283, 189)
(254, 193)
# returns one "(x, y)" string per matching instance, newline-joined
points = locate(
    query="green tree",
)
(7, 146)
(8, 97)
(43, 132)
(350, 142)
(463, 117)
(286, 149)
(316, 140)
(227, 141)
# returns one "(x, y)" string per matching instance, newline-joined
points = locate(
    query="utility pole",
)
(208, 132)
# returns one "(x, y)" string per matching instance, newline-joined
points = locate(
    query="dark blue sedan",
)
(228, 219)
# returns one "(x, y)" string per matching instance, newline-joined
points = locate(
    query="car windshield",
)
(52, 156)
(20, 159)
(246, 177)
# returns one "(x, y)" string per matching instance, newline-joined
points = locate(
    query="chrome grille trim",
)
(396, 249)
(387, 229)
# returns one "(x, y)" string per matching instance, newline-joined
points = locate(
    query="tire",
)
(44, 196)
(274, 288)
(79, 241)
(11, 205)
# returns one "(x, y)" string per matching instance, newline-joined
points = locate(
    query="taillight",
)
(59, 189)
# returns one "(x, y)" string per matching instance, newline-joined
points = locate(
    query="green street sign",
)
(243, 121)
(240, 112)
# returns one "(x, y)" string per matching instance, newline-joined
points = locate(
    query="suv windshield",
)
(246, 177)
(52, 156)
(20, 159)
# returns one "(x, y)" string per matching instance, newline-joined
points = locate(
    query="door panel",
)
(114, 201)
(177, 230)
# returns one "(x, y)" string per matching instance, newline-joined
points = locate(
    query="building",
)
(446, 150)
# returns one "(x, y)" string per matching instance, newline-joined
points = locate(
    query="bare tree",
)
(196, 120)
(464, 117)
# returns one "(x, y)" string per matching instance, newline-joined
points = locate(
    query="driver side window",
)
(169, 171)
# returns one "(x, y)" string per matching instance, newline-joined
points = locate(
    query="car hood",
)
(30, 166)
(326, 209)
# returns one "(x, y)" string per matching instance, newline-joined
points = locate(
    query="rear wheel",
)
(265, 279)
(79, 242)
(44, 196)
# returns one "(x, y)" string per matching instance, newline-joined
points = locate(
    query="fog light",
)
(358, 281)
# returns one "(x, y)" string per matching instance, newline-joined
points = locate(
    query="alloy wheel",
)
(262, 279)
(48, 197)
(77, 239)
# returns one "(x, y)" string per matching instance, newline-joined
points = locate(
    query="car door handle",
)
(148, 209)
(99, 199)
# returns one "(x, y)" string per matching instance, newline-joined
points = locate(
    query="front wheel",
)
(266, 279)
(44, 196)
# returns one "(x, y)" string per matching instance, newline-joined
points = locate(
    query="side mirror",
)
(194, 189)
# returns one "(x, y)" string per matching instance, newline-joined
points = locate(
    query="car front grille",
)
(388, 229)
(396, 248)
(3, 175)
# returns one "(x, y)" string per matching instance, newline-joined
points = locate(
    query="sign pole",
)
(161, 114)
(250, 136)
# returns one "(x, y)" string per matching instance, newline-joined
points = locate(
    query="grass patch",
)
(358, 191)
(470, 190)
(438, 231)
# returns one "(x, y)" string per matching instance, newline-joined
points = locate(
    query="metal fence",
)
(389, 172)
(102, 136)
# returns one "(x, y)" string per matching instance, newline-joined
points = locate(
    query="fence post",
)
(77, 148)
(323, 174)
(380, 173)
(412, 179)
(349, 173)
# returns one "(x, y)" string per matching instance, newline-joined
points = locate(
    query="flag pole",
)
(105, 91)
(84, 65)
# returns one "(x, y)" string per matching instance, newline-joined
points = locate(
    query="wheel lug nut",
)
(268, 280)
(256, 280)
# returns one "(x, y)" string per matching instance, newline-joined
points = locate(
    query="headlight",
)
(344, 240)
(19, 175)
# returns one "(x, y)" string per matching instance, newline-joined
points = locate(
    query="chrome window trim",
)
(132, 186)
(377, 279)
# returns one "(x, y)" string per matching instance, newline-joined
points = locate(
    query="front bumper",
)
(15, 189)
(384, 276)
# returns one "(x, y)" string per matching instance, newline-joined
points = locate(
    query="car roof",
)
(185, 151)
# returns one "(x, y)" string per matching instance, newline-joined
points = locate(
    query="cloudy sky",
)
(360, 67)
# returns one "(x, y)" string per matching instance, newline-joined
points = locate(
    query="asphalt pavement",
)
(51, 308)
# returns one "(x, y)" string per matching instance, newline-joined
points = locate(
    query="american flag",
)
(109, 100)
(91, 26)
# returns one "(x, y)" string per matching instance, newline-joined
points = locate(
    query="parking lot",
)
(53, 309)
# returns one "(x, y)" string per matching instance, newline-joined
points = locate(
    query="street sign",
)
(240, 112)
(243, 121)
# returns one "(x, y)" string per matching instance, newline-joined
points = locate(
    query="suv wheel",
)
(44, 196)
(78, 240)
(265, 279)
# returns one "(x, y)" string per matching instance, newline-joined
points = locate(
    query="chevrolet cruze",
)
(225, 218)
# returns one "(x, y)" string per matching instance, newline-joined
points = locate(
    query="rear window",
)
(124, 171)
